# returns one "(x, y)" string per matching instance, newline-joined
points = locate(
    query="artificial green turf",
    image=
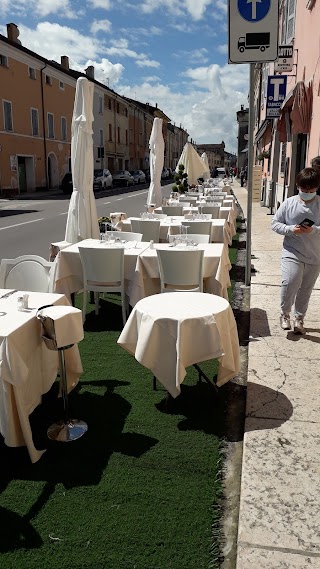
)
(140, 490)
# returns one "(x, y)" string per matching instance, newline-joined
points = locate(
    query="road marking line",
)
(119, 199)
(106, 203)
(64, 213)
(24, 223)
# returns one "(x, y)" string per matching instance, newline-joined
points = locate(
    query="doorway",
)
(53, 178)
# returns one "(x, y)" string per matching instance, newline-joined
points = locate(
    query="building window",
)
(126, 136)
(110, 105)
(110, 132)
(35, 122)
(288, 21)
(63, 128)
(7, 116)
(283, 158)
(100, 105)
(61, 85)
(131, 135)
(50, 126)
(3, 60)
(32, 73)
(126, 112)
(48, 80)
(118, 107)
(101, 137)
(118, 134)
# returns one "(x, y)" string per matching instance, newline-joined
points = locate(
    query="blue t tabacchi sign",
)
(254, 10)
(276, 94)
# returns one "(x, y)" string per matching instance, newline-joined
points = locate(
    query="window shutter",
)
(291, 16)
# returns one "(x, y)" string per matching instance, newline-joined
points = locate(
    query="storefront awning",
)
(296, 109)
(261, 130)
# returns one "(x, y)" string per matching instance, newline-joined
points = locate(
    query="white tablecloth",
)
(169, 332)
(216, 267)
(229, 214)
(220, 230)
(69, 278)
(27, 367)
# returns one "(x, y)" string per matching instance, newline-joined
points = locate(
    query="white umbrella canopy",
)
(156, 145)
(204, 158)
(193, 165)
(82, 221)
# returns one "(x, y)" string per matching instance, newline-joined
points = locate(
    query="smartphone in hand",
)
(306, 223)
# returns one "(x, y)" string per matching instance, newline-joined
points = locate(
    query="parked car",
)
(66, 184)
(221, 172)
(139, 176)
(123, 178)
(104, 176)
(164, 174)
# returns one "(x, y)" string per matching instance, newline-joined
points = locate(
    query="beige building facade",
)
(36, 107)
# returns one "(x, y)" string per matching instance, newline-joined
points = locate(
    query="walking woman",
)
(298, 219)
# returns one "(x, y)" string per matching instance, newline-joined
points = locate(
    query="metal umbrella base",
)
(66, 430)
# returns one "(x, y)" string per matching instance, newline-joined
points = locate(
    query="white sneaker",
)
(298, 326)
(285, 322)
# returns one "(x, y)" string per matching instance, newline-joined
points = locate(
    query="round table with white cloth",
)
(169, 332)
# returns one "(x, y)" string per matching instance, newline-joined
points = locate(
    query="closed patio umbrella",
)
(156, 145)
(193, 165)
(82, 221)
(204, 158)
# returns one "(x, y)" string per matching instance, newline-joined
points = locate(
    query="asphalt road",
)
(28, 226)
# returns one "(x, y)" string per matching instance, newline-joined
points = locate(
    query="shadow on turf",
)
(82, 462)
(201, 406)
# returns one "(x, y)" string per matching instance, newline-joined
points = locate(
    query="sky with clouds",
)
(169, 52)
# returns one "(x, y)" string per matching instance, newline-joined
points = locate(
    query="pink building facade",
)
(286, 145)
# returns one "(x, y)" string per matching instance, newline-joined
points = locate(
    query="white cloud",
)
(104, 4)
(223, 48)
(53, 40)
(147, 63)
(195, 8)
(196, 56)
(104, 71)
(206, 107)
(151, 78)
(100, 26)
(40, 8)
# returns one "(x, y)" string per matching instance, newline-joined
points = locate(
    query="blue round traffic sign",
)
(253, 10)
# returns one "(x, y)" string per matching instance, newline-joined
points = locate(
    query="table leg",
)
(205, 377)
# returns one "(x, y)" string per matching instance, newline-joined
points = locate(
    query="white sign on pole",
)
(253, 30)
(285, 58)
(256, 183)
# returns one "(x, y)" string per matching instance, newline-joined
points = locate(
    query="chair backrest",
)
(28, 272)
(213, 210)
(199, 227)
(189, 198)
(129, 236)
(195, 237)
(150, 229)
(185, 204)
(180, 268)
(102, 265)
(172, 209)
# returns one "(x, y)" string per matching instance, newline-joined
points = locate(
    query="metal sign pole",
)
(250, 177)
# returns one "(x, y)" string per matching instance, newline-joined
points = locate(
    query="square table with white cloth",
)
(69, 276)
(28, 368)
(220, 230)
(216, 267)
(168, 332)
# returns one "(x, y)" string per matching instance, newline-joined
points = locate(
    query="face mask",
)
(307, 196)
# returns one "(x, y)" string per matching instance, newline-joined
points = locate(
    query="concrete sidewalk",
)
(279, 523)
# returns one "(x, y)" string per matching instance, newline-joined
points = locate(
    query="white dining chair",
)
(28, 272)
(199, 227)
(129, 236)
(150, 229)
(195, 237)
(213, 210)
(103, 271)
(181, 270)
(172, 210)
